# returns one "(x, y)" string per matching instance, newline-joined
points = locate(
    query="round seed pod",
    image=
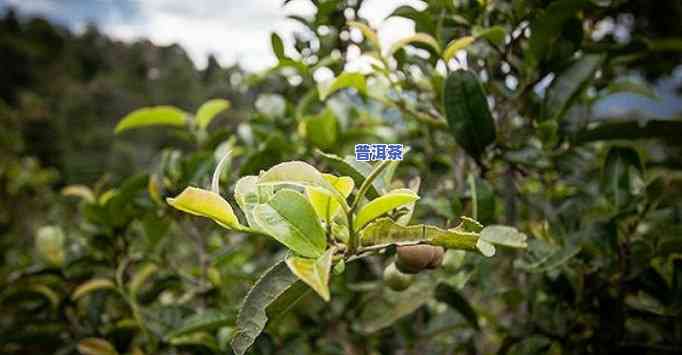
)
(415, 258)
(396, 280)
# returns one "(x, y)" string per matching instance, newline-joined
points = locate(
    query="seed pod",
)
(415, 258)
(395, 279)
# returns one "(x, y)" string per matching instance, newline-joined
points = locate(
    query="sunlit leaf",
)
(252, 316)
(92, 285)
(81, 191)
(314, 272)
(421, 38)
(326, 206)
(290, 219)
(343, 81)
(321, 130)
(209, 110)
(493, 34)
(49, 242)
(384, 204)
(152, 116)
(206, 203)
(96, 346)
(457, 45)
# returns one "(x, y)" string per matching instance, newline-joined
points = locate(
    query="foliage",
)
(517, 223)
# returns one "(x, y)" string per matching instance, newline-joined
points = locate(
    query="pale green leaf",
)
(96, 346)
(152, 116)
(384, 204)
(49, 243)
(485, 248)
(457, 45)
(423, 38)
(249, 194)
(252, 316)
(209, 110)
(504, 235)
(326, 206)
(343, 81)
(206, 203)
(81, 191)
(290, 219)
(314, 272)
(299, 173)
(405, 218)
(92, 285)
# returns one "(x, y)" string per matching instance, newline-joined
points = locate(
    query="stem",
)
(353, 237)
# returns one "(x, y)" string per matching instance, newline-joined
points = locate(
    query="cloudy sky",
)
(233, 30)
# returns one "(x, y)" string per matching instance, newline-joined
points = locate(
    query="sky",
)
(238, 31)
(232, 30)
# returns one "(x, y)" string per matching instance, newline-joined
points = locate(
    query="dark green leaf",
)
(568, 86)
(277, 46)
(449, 295)
(617, 176)
(468, 115)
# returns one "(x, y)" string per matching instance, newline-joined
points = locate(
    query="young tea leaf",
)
(290, 219)
(384, 204)
(504, 235)
(152, 116)
(314, 272)
(209, 110)
(326, 206)
(206, 203)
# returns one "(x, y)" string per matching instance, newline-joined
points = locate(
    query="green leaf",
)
(290, 219)
(81, 191)
(384, 231)
(405, 218)
(287, 300)
(485, 248)
(325, 206)
(617, 176)
(450, 296)
(386, 307)
(152, 116)
(382, 205)
(252, 316)
(421, 38)
(547, 28)
(91, 286)
(206, 203)
(493, 34)
(343, 81)
(207, 320)
(49, 243)
(368, 33)
(96, 346)
(141, 277)
(321, 129)
(457, 45)
(631, 130)
(357, 170)
(483, 199)
(568, 85)
(504, 235)
(277, 45)
(639, 88)
(314, 272)
(467, 112)
(295, 173)
(209, 110)
(549, 259)
(249, 194)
